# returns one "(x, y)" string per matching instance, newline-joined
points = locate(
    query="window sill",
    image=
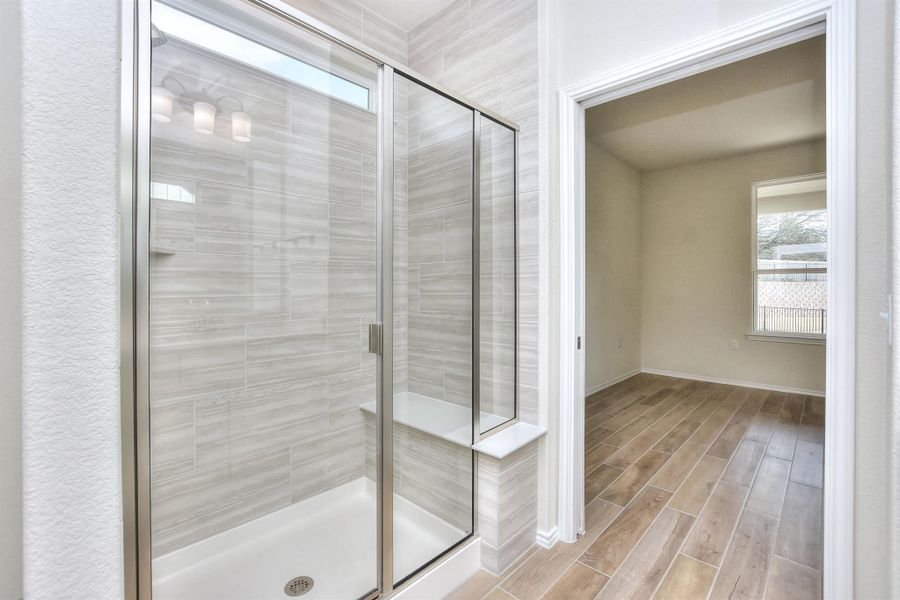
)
(789, 338)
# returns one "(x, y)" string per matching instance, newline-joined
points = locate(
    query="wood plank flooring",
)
(693, 490)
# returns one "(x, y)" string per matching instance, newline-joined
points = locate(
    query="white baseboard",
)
(722, 380)
(446, 576)
(546, 539)
(610, 382)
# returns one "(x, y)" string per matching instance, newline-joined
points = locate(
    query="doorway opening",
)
(648, 360)
(705, 304)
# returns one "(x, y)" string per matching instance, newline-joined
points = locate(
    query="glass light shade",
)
(240, 126)
(161, 104)
(204, 117)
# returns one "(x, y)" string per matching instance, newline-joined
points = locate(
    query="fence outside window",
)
(792, 320)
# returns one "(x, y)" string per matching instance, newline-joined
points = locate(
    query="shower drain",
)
(298, 586)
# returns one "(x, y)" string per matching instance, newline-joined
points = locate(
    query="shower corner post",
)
(385, 316)
(476, 308)
(134, 248)
(515, 253)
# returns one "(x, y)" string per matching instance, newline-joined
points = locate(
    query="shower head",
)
(157, 37)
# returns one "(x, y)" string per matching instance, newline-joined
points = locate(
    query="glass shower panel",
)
(432, 254)
(262, 282)
(497, 274)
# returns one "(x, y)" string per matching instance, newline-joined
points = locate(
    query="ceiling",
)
(405, 13)
(770, 100)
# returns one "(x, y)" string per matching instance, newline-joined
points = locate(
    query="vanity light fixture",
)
(240, 126)
(204, 117)
(203, 107)
(161, 104)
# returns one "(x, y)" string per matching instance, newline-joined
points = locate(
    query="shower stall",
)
(319, 307)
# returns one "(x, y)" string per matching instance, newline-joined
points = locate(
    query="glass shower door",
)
(262, 268)
(433, 325)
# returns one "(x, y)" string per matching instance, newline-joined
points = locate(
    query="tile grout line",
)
(799, 564)
(577, 558)
(561, 575)
(518, 565)
(744, 503)
(706, 502)
(661, 385)
(613, 416)
(613, 432)
(599, 494)
(667, 504)
(640, 538)
(778, 518)
(771, 557)
(650, 426)
(780, 515)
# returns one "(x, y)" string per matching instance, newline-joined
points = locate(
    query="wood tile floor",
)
(693, 490)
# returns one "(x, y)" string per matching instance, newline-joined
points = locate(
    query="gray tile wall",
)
(353, 19)
(497, 273)
(261, 292)
(436, 141)
(428, 471)
(487, 50)
(507, 506)
(272, 259)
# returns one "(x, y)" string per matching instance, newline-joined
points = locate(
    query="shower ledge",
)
(439, 418)
(502, 444)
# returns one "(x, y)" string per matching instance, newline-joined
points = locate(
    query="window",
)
(173, 22)
(790, 233)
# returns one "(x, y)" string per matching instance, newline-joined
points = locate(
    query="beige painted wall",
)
(612, 266)
(696, 271)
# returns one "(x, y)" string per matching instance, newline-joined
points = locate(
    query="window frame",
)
(755, 333)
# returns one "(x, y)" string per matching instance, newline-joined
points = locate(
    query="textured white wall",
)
(595, 36)
(71, 472)
(894, 367)
(10, 301)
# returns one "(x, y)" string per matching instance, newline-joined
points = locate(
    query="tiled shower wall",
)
(252, 287)
(438, 161)
(497, 269)
(262, 286)
(487, 50)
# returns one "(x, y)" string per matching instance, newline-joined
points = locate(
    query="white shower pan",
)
(318, 537)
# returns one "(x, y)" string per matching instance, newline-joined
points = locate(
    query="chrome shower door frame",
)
(134, 232)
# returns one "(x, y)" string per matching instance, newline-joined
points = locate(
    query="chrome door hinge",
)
(376, 337)
(578, 343)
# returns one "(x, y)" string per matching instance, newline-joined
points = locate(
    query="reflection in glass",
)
(262, 280)
(174, 23)
(432, 256)
(497, 318)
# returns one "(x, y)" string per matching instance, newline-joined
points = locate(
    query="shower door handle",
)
(376, 343)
